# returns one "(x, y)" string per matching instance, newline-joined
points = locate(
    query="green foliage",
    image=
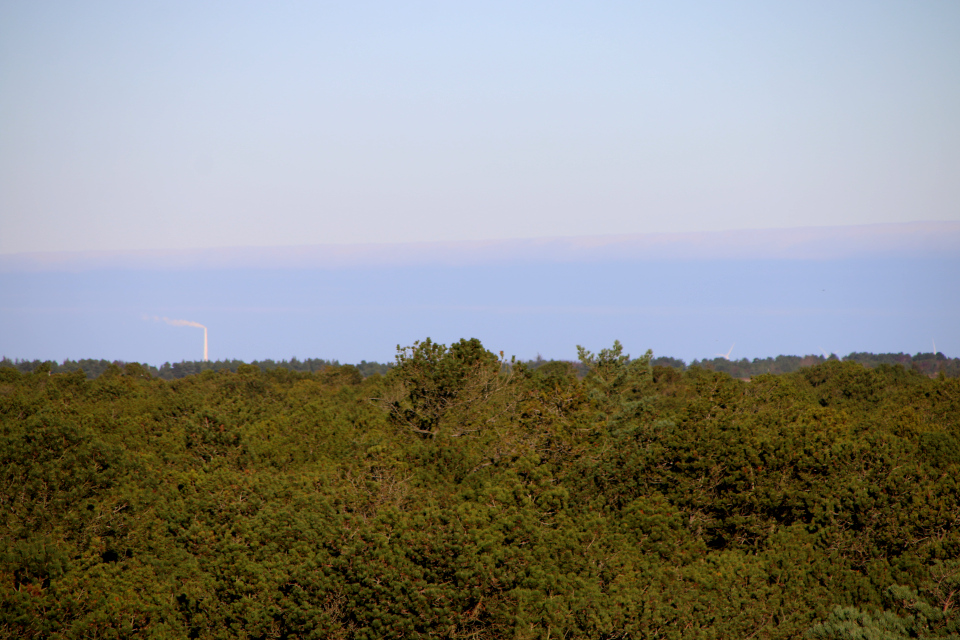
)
(617, 384)
(462, 496)
(440, 390)
(918, 620)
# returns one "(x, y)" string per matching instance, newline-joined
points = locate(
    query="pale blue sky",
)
(194, 124)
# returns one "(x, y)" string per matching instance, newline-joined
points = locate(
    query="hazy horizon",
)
(683, 295)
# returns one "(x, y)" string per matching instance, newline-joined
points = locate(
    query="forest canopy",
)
(457, 494)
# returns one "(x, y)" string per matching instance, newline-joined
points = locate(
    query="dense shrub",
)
(458, 496)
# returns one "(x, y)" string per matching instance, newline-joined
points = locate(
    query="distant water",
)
(685, 308)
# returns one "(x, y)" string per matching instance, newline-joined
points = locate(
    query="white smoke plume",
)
(186, 323)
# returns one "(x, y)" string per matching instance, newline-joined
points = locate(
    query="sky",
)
(341, 139)
(177, 125)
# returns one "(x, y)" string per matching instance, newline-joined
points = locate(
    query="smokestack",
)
(187, 323)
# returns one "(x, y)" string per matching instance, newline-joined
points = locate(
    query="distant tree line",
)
(175, 371)
(928, 364)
